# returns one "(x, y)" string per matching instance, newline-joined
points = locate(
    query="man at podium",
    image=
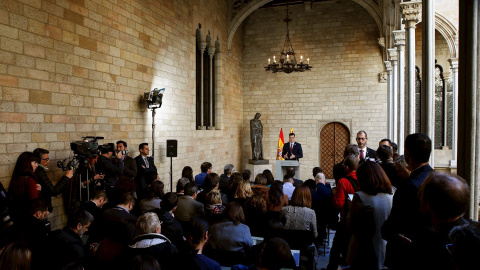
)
(292, 150)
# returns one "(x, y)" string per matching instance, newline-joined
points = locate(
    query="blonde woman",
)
(243, 192)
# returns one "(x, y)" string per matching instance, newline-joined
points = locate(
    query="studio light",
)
(154, 98)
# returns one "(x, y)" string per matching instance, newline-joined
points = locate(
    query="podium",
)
(281, 168)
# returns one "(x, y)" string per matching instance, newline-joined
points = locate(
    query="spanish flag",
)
(280, 145)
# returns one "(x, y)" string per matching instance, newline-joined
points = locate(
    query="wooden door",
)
(334, 137)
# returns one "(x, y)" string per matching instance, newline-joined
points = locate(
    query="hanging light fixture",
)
(288, 60)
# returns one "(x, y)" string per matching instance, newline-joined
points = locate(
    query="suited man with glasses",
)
(366, 153)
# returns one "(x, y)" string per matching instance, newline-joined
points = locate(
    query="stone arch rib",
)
(449, 32)
(374, 10)
(240, 17)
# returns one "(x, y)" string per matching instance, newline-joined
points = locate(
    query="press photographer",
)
(49, 190)
(110, 169)
(129, 164)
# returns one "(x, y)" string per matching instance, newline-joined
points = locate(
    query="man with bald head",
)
(444, 198)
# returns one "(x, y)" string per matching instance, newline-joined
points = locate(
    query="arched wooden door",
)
(333, 139)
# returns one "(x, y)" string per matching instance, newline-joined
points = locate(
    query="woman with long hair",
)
(243, 192)
(270, 179)
(370, 208)
(16, 256)
(298, 215)
(276, 199)
(187, 172)
(155, 196)
(197, 237)
(235, 179)
(24, 187)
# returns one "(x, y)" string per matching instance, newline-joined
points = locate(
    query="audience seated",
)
(260, 187)
(171, 228)
(214, 206)
(444, 198)
(291, 172)
(339, 169)
(228, 170)
(327, 215)
(145, 262)
(276, 200)
(16, 255)
(288, 187)
(150, 241)
(119, 223)
(243, 192)
(205, 168)
(212, 182)
(401, 226)
(187, 206)
(95, 208)
(235, 179)
(270, 179)
(197, 238)
(275, 254)
(370, 208)
(187, 172)
(254, 209)
(298, 215)
(67, 244)
(182, 182)
(154, 197)
(247, 175)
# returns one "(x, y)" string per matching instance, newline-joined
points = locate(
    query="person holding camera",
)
(110, 169)
(49, 190)
(129, 164)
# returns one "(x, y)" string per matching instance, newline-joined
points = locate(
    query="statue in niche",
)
(256, 135)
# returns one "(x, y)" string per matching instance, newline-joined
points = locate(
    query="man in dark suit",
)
(292, 149)
(119, 223)
(94, 207)
(129, 164)
(187, 206)
(366, 153)
(401, 227)
(146, 170)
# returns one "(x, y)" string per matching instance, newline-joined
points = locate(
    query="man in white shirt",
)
(288, 187)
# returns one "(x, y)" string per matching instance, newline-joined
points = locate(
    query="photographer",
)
(49, 190)
(89, 177)
(130, 166)
(111, 170)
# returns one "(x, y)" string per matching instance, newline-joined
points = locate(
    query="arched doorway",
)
(333, 139)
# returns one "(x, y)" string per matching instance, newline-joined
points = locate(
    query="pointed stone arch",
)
(369, 5)
(449, 32)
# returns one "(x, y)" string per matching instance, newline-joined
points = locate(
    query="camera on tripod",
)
(82, 150)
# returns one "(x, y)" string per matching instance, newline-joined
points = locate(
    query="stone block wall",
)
(341, 40)
(75, 68)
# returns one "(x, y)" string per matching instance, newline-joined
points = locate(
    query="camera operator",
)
(89, 178)
(49, 190)
(130, 166)
(111, 170)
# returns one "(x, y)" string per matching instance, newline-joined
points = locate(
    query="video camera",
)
(82, 150)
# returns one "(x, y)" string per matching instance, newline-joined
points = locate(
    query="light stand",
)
(154, 101)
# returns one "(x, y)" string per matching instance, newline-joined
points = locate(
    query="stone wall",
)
(74, 68)
(340, 38)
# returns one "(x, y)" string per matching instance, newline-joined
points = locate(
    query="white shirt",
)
(288, 189)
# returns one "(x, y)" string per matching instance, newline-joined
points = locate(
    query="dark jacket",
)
(157, 246)
(119, 225)
(67, 247)
(405, 218)
(171, 228)
(142, 180)
(129, 167)
(109, 169)
(48, 189)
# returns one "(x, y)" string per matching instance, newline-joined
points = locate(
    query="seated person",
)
(298, 215)
(206, 168)
(231, 234)
(67, 244)
(187, 206)
(212, 182)
(275, 254)
(119, 223)
(465, 245)
(171, 228)
(150, 241)
(154, 197)
(182, 182)
(276, 200)
(214, 207)
(197, 239)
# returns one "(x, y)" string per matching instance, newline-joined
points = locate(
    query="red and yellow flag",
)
(291, 130)
(280, 145)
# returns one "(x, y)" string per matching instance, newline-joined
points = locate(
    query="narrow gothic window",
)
(205, 81)
(418, 100)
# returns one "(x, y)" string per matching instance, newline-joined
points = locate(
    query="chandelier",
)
(288, 60)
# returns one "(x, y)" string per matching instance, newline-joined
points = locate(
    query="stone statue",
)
(256, 135)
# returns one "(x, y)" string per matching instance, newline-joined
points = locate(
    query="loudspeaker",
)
(171, 148)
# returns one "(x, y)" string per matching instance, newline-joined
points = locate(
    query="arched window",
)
(206, 52)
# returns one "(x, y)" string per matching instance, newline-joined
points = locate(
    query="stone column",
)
(388, 68)
(428, 70)
(454, 68)
(411, 14)
(399, 39)
(392, 56)
(202, 45)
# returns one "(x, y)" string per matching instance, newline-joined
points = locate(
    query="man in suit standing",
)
(366, 153)
(292, 149)
(145, 170)
(129, 164)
